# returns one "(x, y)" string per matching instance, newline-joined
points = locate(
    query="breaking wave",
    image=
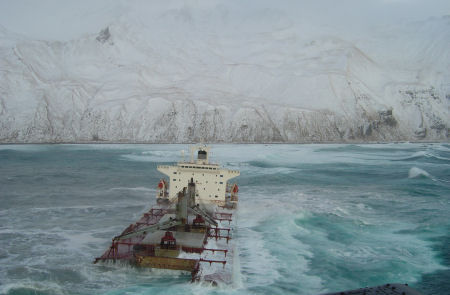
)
(415, 172)
(155, 156)
(421, 155)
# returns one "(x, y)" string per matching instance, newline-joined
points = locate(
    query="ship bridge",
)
(210, 179)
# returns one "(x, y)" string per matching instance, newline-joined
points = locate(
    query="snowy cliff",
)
(186, 81)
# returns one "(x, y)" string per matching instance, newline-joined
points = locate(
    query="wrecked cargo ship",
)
(190, 228)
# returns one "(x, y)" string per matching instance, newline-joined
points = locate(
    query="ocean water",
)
(312, 218)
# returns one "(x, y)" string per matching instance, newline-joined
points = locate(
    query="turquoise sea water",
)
(312, 218)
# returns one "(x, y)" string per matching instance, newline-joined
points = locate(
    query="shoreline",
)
(217, 143)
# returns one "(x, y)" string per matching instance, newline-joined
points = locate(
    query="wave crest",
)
(415, 172)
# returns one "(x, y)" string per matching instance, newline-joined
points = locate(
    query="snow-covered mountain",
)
(175, 79)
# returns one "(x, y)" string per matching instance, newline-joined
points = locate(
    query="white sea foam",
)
(142, 158)
(424, 154)
(415, 172)
(418, 155)
(34, 287)
(442, 147)
(165, 153)
(79, 241)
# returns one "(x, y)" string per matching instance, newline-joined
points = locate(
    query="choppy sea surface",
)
(312, 218)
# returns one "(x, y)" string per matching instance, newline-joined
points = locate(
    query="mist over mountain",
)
(218, 74)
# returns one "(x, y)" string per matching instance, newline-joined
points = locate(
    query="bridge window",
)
(201, 155)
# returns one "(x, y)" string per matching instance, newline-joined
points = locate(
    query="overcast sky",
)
(65, 20)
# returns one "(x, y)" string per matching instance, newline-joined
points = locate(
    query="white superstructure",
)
(211, 181)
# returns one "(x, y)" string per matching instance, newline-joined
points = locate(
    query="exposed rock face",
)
(104, 36)
(151, 88)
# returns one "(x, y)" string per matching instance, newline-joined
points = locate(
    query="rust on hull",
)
(167, 263)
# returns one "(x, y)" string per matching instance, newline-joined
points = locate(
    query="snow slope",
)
(175, 78)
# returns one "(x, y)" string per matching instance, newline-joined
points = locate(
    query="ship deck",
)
(186, 239)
